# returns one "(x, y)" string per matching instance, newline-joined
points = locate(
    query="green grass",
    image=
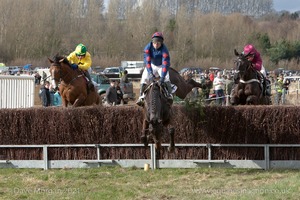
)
(131, 183)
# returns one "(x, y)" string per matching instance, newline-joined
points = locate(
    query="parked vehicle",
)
(113, 72)
(97, 69)
(127, 89)
(4, 69)
(214, 69)
(134, 68)
(103, 83)
(192, 70)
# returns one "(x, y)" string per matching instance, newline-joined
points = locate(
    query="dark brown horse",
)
(184, 87)
(73, 84)
(249, 89)
(158, 109)
(157, 115)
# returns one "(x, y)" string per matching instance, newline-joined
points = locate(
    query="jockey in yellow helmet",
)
(81, 59)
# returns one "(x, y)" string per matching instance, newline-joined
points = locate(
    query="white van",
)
(133, 67)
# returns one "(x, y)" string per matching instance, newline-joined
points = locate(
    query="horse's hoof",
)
(144, 140)
(157, 146)
(171, 149)
(172, 130)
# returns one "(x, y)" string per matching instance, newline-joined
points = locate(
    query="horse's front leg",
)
(64, 102)
(144, 137)
(251, 96)
(156, 132)
(252, 100)
(235, 96)
(79, 101)
(171, 148)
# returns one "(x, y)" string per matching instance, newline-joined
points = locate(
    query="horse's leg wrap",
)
(172, 142)
(140, 101)
(169, 90)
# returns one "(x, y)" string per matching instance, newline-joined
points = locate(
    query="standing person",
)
(211, 76)
(254, 57)
(45, 94)
(52, 92)
(57, 99)
(111, 94)
(124, 78)
(44, 77)
(208, 85)
(37, 78)
(228, 84)
(120, 99)
(285, 89)
(81, 59)
(157, 61)
(279, 89)
(219, 84)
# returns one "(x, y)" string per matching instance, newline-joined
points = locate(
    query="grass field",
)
(131, 183)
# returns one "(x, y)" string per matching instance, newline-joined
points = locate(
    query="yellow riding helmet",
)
(80, 50)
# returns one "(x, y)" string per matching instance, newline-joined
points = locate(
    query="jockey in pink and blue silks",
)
(157, 61)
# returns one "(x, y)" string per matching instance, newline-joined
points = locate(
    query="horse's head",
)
(153, 102)
(57, 70)
(241, 62)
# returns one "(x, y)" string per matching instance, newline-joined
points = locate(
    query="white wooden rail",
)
(45, 163)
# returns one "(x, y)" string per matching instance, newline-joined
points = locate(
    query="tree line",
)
(200, 33)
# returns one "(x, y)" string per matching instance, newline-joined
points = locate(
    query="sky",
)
(289, 5)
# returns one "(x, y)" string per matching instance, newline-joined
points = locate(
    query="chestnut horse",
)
(73, 84)
(157, 115)
(249, 89)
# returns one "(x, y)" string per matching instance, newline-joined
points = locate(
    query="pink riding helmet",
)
(249, 49)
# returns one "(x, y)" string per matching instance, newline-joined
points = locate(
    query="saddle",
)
(89, 84)
(264, 84)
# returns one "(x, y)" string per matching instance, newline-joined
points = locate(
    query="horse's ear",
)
(236, 53)
(51, 61)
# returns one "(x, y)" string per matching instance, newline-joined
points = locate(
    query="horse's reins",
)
(46, 78)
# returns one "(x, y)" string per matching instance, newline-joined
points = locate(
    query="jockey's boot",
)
(267, 86)
(140, 101)
(90, 83)
(169, 90)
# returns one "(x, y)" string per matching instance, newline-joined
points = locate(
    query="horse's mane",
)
(57, 59)
(172, 69)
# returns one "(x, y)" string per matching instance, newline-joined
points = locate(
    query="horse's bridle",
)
(248, 64)
(239, 61)
(60, 73)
